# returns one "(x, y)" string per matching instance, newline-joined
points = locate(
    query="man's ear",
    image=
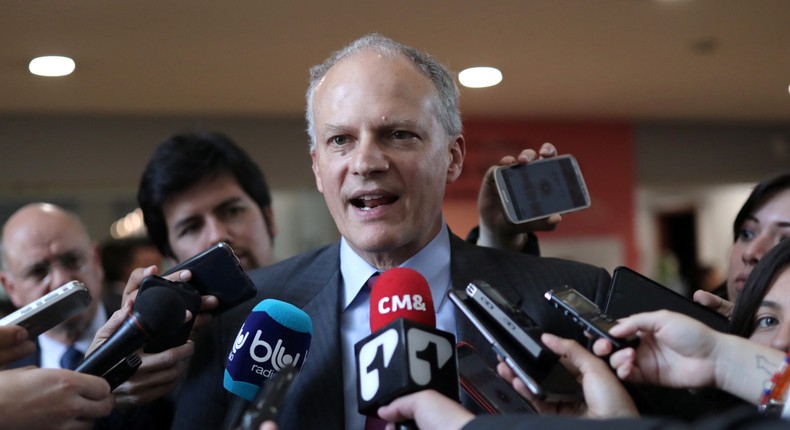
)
(268, 217)
(316, 171)
(457, 152)
(10, 288)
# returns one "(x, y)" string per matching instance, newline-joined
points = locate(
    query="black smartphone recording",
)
(632, 293)
(587, 315)
(218, 272)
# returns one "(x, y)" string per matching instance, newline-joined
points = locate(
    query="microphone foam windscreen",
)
(160, 310)
(276, 334)
(401, 292)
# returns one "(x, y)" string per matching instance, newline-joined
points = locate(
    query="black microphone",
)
(405, 353)
(159, 310)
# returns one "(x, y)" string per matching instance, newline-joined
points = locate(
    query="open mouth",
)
(369, 202)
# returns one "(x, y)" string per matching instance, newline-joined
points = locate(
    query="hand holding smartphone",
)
(218, 272)
(54, 308)
(587, 315)
(541, 188)
(537, 366)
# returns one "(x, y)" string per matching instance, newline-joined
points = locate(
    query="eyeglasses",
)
(73, 262)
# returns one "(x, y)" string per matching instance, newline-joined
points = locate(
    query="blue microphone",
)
(275, 335)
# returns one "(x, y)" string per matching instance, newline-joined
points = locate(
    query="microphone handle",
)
(238, 405)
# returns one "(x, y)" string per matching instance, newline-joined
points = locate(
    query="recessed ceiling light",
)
(51, 65)
(480, 77)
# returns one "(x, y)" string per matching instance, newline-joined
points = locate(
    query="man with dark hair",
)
(201, 188)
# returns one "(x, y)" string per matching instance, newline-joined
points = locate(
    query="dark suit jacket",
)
(740, 419)
(312, 281)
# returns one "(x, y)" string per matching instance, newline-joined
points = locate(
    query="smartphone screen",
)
(541, 188)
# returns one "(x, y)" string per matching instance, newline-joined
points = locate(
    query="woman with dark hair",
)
(762, 311)
(762, 222)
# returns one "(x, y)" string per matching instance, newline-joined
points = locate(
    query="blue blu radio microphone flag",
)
(276, 334)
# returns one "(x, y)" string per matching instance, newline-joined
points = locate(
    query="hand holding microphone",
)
(160, 310)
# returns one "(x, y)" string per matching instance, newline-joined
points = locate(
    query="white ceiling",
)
(621, 59)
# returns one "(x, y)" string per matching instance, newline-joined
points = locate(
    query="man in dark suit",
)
(385, 140)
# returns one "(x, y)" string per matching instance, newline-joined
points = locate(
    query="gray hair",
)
(446, 105)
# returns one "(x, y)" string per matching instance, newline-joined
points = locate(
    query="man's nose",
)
(369, 157)
(216, 231)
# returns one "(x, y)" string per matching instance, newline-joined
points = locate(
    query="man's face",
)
(218, 210)
(44, 250)
(760, 232)
(381, 158)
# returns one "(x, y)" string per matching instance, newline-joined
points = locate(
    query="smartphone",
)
(489, 390)
(632, 293)
(541, 188)
(159, 342)
(55, 307)
(542, 373)
(218, 272)
(510, 317)
(587, 315)
(269, 400)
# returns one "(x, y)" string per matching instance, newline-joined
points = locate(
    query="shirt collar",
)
(433, 263)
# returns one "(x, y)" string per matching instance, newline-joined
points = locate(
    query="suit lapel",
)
(318, 390)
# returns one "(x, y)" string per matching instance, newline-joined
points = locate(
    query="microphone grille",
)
(401, 292)
(160, 310)
(286, 314)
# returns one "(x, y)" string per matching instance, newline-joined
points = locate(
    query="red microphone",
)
(405, 352)
(401, 293)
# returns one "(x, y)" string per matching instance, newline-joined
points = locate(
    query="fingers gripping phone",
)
(537, 366)
(541, 188)
(55, 307)
(218, 272)
(587, 315)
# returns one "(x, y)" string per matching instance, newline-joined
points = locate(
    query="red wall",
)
(605, 151)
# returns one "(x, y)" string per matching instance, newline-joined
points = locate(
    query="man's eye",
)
(339, 140)
(71, 262)
(187, 229)
(400, 135)
(37, 272)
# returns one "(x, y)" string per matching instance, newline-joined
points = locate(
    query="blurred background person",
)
(119, 257)
(762, 222)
